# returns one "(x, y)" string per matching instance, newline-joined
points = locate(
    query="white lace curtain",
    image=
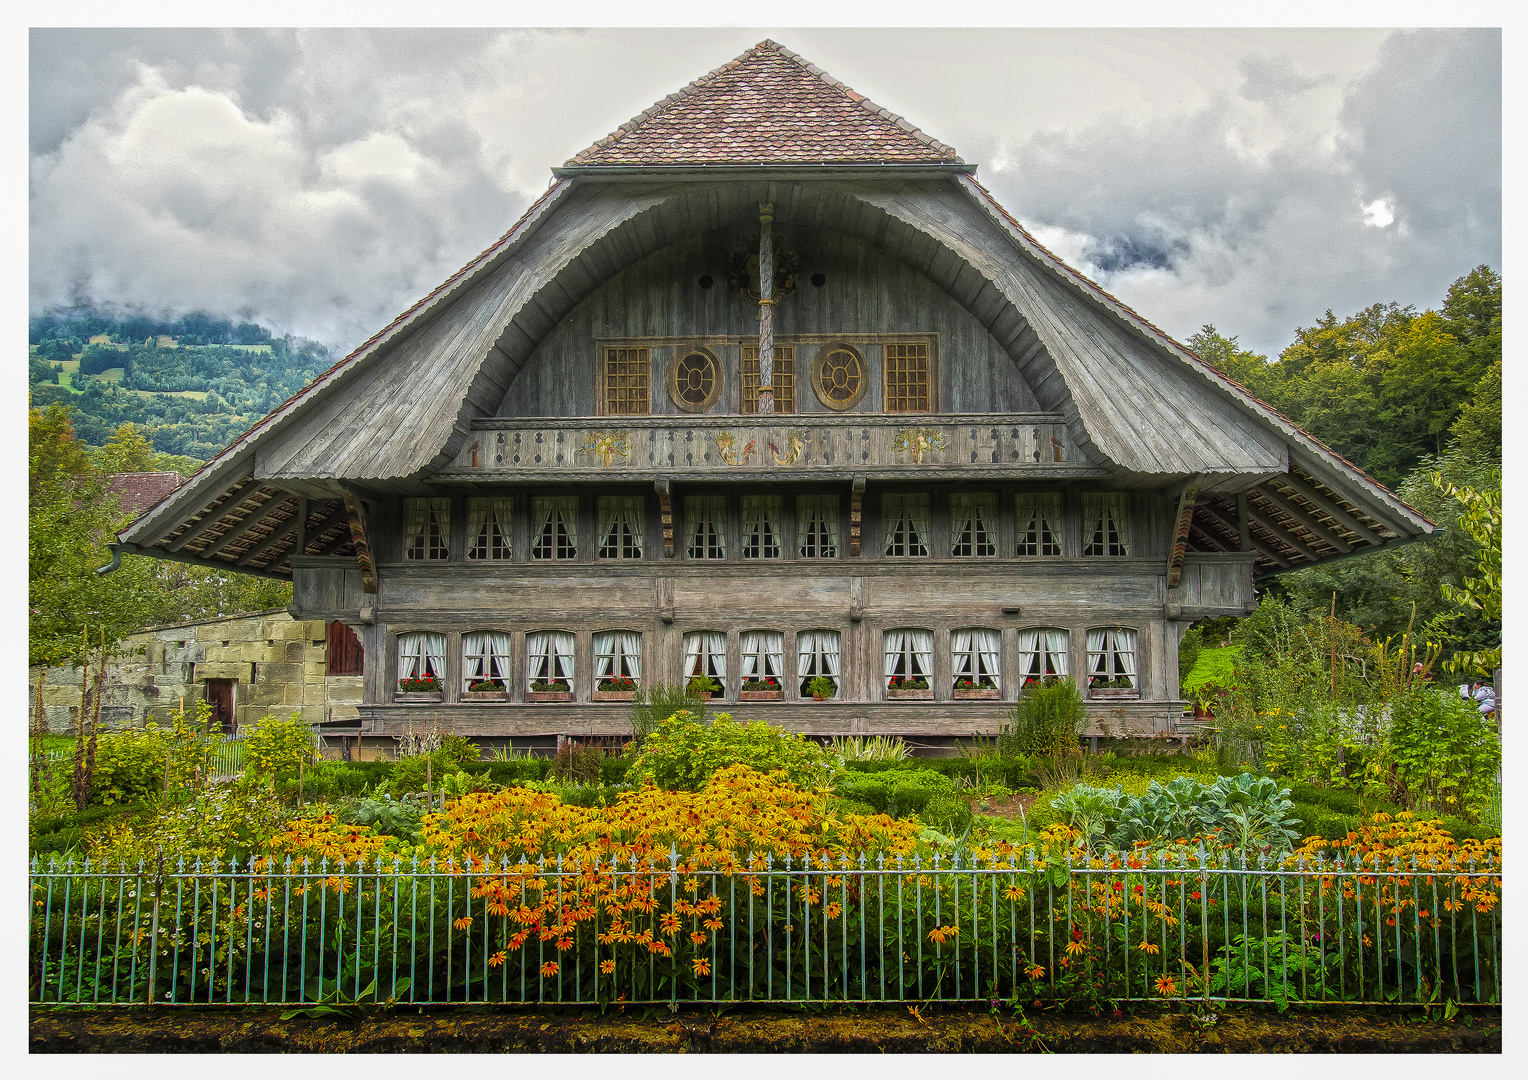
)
(1105, 524)
(817, 526)
(620, 526)
(905, 520)
(973, 524)
(909, 653)
(417, 515)
(705, 516)
(980, 646)
(618, 653)
(421, 654)
(482, 516)
(817, 653)
(762, 653)
(1111, 653)
(1038, 518)
(551, 656)
(761, 526)
(705, 653)
(1042, 652)
(548, 517)
(485, 656)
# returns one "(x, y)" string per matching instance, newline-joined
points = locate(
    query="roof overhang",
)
(795, 171)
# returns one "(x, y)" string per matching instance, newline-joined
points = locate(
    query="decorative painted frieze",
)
(887, 446)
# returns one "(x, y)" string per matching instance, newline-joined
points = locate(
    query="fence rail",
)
(1197, 927)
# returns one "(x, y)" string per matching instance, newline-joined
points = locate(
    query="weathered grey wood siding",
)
(864, 292)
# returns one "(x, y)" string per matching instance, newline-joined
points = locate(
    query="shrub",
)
(274, 744)
(656, 703)
(1446, 754)
(946, 811)
(580, 764)
(1045, 720)
(682, 753)
(454, 753)
(130, 765)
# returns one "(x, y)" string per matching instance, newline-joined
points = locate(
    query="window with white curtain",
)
(904, 518)
(1042, 655)
(973, 525)
(554, 527)
(705, 520)
(1037, 522)
(426, 528)
(705, 657)
(617, 657)
(909, 658)
(817, 654)
(421, 657)
(817, 526)
(1105, 524)
(488, 527)
(619, 526)
(763, 659)
(1111, 658)
(549, 660)
(761, 526)
(974, 658)
(485, 659)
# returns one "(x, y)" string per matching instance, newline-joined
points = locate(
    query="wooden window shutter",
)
(346, 657)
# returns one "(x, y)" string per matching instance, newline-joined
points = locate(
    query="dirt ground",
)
(884, 1029)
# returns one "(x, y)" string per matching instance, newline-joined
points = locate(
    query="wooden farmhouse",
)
(767, 389)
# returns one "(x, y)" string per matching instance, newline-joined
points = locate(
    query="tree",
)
(1478, 428)
(126, 451)
(1481, 518)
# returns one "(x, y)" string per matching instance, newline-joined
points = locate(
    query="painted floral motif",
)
(795, 442)
(609, 445)
(726, 445)
(918, 441)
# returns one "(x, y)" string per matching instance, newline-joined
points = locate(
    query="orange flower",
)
(697, 938)
(670, 922)
(549, 969)
(1075, 947)
(497, 958)
(462, 923)
(1165, 985)
(702, 965)
(607, 967)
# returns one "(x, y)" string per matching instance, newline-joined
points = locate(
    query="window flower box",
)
(556, 690)
(615, 688)
(418, 690)
(966, 690)
(485, 690)
(1113, 692)
(905, 689)
(765, 689)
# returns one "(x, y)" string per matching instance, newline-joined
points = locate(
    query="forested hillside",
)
(192, 384)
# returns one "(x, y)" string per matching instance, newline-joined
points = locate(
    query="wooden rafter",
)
(210, 517)
(340, 539)
(1281, 534)
(275, 537)
(238, 531)
(1316, 529)
(1320, 501)
(1214, 541)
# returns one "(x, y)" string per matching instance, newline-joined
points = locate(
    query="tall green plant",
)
(1446, 755)
(1045, 720)
(651, 705)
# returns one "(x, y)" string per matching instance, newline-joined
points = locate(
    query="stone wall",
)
(278, 663)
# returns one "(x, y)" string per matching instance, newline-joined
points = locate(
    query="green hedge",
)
(1011, 772)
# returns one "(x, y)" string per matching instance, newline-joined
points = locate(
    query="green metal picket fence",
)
(1193, 926)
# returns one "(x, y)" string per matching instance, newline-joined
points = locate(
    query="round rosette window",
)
(694, 379)
(838, 377)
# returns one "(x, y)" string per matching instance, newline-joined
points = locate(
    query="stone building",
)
(767, 390)
(245, 666)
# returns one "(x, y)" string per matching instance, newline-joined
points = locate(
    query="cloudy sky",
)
(321, 181)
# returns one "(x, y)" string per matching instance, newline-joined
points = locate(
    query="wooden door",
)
(220, 697)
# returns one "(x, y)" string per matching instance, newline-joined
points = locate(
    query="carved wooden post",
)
(766, 310)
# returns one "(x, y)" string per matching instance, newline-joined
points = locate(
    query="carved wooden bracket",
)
(666, 516)
(1180, 535)
(363, 556)
(856, 514)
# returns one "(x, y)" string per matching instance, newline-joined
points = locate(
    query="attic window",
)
(838, 378)
(1105, 524)
(626, 382)
(906, 376)
(695, 379)
(426, 528)
(784, 379)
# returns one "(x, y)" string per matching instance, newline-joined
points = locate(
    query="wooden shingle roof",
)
(769, 106)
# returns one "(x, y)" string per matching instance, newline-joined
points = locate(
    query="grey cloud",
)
(1270, 78)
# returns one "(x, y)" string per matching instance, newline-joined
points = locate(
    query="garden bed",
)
(700, 1030)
